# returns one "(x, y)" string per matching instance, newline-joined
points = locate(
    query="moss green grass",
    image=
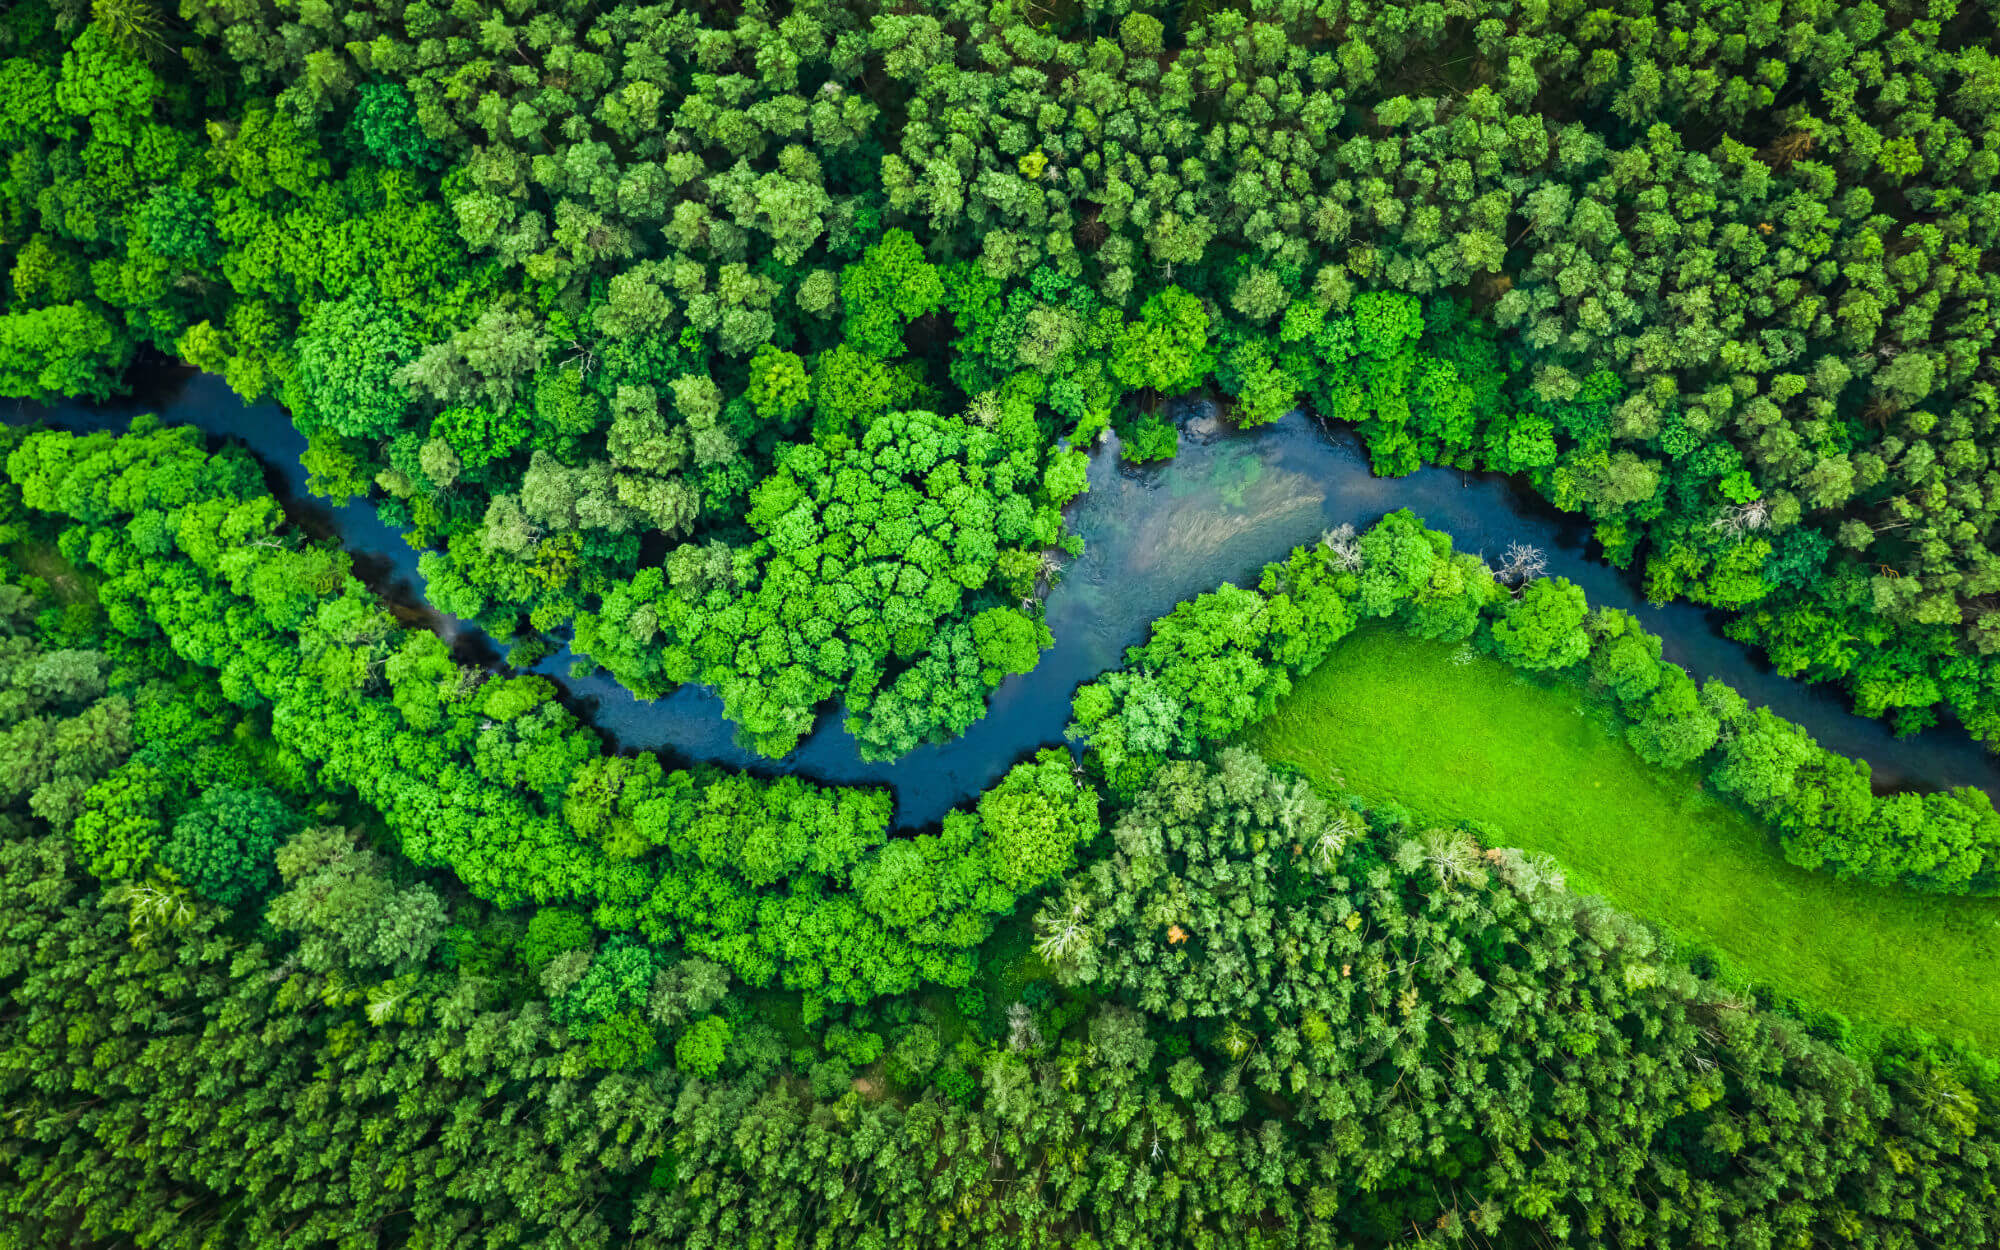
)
(1453, 736)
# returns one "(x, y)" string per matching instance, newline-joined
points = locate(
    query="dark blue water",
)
(1227, 505)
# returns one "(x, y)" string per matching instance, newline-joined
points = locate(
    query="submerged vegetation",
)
(1395, 898)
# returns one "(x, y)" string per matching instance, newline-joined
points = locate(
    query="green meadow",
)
(1453, 735)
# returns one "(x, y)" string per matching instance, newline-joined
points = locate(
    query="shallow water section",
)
(1228, 504)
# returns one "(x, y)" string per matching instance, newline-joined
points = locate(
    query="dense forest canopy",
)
(762, 346)
(546, 279)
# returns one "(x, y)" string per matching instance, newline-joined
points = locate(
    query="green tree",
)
(346, 907)
(889, 287)
(1167, 348)
(702, 1046)
(1008, 642)
(349, 353)
(386, 120)
(69, 349)
(1543, 628)
(1037, 817)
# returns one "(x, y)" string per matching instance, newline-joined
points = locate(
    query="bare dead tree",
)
(1744, 517)
(1345, 545)
(1064, 935)
(1521, 563)
(1022, 1030)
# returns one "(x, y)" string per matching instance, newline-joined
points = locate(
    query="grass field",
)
(1397, 719)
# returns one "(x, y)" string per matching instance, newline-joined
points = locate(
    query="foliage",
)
(1452, 737)
(387, 121)
(1543, 629)
(888, 288)
(1730, 268)
(1220, 663)
(780, 881)
(1037, 816)
(702, 1046)
(1269, 1044)
(349, 354)
(871, 579)
(68, 349)
(226, 846)
(553, 932)
(125, 1002)
(762, 348)
(347, 908)
(1241, 943)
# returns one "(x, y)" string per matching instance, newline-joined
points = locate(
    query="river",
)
(1228, 504)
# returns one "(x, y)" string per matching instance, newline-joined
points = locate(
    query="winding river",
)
(1229, 503)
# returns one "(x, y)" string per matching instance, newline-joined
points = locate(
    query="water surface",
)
(1228, 504)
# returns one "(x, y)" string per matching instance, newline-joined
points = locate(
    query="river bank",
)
(1229, 503)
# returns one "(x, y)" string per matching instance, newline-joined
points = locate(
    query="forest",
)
(771, 349)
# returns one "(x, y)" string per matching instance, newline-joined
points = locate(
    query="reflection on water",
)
(1224, 507)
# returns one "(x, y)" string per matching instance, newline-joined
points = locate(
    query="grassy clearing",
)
(1008, 964)
(67, 584)
(1396, 719)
